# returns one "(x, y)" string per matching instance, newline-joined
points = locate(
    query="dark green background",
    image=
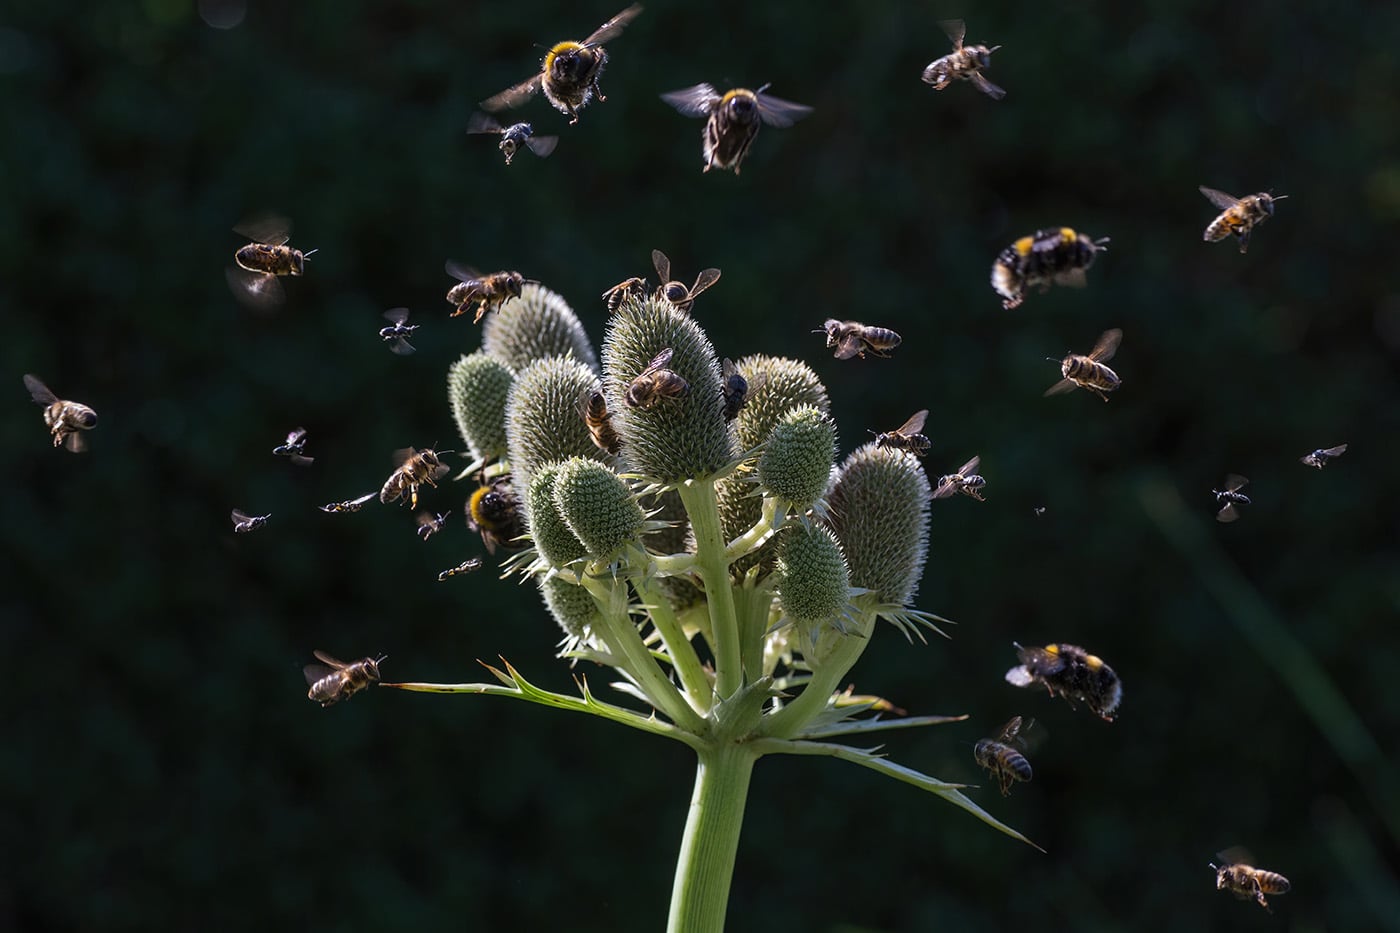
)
(162, 768)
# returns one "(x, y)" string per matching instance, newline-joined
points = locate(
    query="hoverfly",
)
(333, 681)
(680, 297)
(413, 468)
(261, 263)
(64, 418)
(732, 120)
(430, 524)
(512, 137)
(1322, 456)
(852, 338)
(965, 481)
(965, 61)
(1229, 497)
(243, 522)
(908, 436)
(1089, 372)
(488, 292)
(1239, 216)
(397, 333)
(655, 383)
(293, 446)
(349, 505)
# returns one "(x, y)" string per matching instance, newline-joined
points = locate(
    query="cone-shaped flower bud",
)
(680, 434)
(879, 509)
(572, 607)
(598, 507)
(796, 462)
(537, 324)
(553, 539)
(477, 386)
(543, 423)
(813, 580)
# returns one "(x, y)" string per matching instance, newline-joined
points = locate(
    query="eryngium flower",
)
(572, 607)
(537, 324)
(477, 386)
(543, 424)
(796, 462)
(813, 580)
(553, 539)
(597, 506)
(879, 510)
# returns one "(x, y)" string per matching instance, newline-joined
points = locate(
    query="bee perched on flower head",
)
(1239, 216)
(655, 383)
(494, 512)
(681, 297)
(965, 61)
(513, 137)
(732, 119)
(1057, 255)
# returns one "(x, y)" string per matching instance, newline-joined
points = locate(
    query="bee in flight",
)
(396, 334)
(965, 481)
(1039, 510)
(1002, 757)
(737, 388)
(965, 61)
(513, 136)
(261, 263)
(680, 297)
(430, 524)
(293, 448)
(493, 511)
(1071, 672)
(413, 468)
(466, 566)
(908, 436)
(1089, 372)
(1229, 497)
(243, 523)
(634, 289)
(852, 338)
(569, 72)
(1238, 215)
(333, 681)
(1322, 456)
(1056, 255)
(488, 292)
(349, 505)
(593, 408)
(64, 418)
(655, 383)
(1245, 881)
(732, 120)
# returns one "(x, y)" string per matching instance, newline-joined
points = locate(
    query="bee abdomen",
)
(1271, 882)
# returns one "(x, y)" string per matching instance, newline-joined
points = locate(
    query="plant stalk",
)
(703, 511)
(700, 895)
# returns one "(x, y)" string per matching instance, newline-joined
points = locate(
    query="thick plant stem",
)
(826, 678)
(678, 647)
(705, 869)
(702, 509)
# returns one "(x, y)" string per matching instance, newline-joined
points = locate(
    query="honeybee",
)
(334, 680)
(965, 61)
(413, 469)
(593, 408)
(1322, 456)
(1238, 215)
(293, 446)
(243, 523)
(965, 481)
(466, 566)
(908, 436)
(1056, 255)
(1089, 372)
(737, 388)
(396, 334)
(489, 292)
(634, 288)
(430, 524)
(264, 260)
(513, 136)
(64, 418)
(852, 338)
(1002, 757)
(655, 383)
(680, 297)
(494, 512)
(1073, 673)
(1245, 881)
(569, 72)
(349, 505)
(1229, 497)
(733, 120)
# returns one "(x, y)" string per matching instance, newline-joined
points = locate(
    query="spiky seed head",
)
(553, 539)
(572, 607)
(477, 386)
(537, 324)
(543, 424)
(879, 510)
(813, 579)
(597, 506)
(797, 460)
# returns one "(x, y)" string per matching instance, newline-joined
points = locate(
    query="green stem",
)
(703, 512)
(705, 869)
(678, 647)
(752, 604)
(826, 677)
(755, 537)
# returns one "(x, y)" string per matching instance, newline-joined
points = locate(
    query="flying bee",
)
(243, 523)
(262, 262)
(1245, 881)
(513, 136)
(333, 681)
(593, 408)
(292, 448)
(493, 511)
(965, 481)
(852, 338)
(569, 72)
(489, 292)
(1071, 672)
(349, 505)
(1323, 455)
(965, 61)
(908, 436)
(430, 524)
(1229, 497)
(634, 289)
(1089, 372)
(396, 334)
(466, 566)
(1238, 215)
(680, 297)
(655, 383)
(1056, 255)
(732, 120)
(737, 388)
(64, 418)
(413, 468)
(1002, 757)
(1039, 510)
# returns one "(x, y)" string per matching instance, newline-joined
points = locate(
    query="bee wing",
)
(727, 368)
(848, 346)
(394, 316)
(1235, 855)
(314, 672)
(38, 391)
(1107, 346)
(915, 424)
(1235, 482)
(1074, 278)
(778, 112)
(363, 499)
(542, 145)
(327, 659)
(1219, 198)
(945, 488)
(956, 30)
(757, 382)
(1059, 388)
(238, 517)
(440, 471)
(300, 460)
(697, 101)
(75, 443)
(295, 435)
(1008, 732)
(254, 289)
(402, 454)
(401, 346)
(662, 265)
(704, 280)
(272, 229)
(970, 467)
(985, 86)
(515, 96)
(1335, 451)
(658, 362)
(613, 27)
(461, 272)
(483, 122)
(1227, 514)
(425, 518)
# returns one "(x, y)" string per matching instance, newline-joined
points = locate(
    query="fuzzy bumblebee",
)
(1058, 256)
(1073, 673)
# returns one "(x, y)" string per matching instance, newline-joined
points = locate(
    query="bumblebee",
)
(466, 566)
(965, 61)
(1322, 456)
(292, 448)
(1071, 672)
(593, 408)
(852, 338)
(732, 120)
(243, 523)
(64, 418)
(1089, 372)
(513, 136)
(737, 388)
(965, 481)
(1238, 215)
(349, 505)
(263, 261)
(908, 436)
(1229, 497)
(634, 288)
(333, 681)
(413, 468)
(494, 512)
(655, 383)
(488, 292)
(680, 297)
(1056, 255)
(1247, 882)
(1002, 757)
(396, 334)
(430, 524)
(569, 72)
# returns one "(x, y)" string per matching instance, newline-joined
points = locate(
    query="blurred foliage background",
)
(162, 765)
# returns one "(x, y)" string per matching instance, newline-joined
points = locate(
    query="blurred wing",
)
(1219, 198)
(272, 229)
(1235, 482)
(440, 471)
(238, 517)
(704, 280)
(1008, 732)
(402, 454)
(295, 435)
(778, 112)
(915, 424)
(985, 86)
(314, 672)
(394, 316)
(658, 362)
(363, 499)
(1227, 514)
(1335, 451)
(38, 391)
(945, 488)
(1074, 278)
(848, 346)
(970, 467)
(1107, 346)
(482, 122)
(956, 30)
(299, 460)
(542, 145)
(515, 96)
(613, 27)
(254, 289)
(663, 266)
(1061, 387)
(727, 368)
(401, 346)
(322, 656)
(1236, 855)
(460, 272)
(695, 101)
(75, 443)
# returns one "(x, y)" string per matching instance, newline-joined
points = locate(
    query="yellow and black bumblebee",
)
(1056, 255)
(732, 119)
(493, 511)
(1239, 216)
(1002, 757)
(1073, 673)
